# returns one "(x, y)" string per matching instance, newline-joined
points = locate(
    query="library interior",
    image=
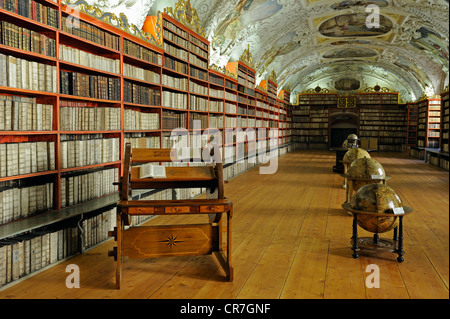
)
(213, 149)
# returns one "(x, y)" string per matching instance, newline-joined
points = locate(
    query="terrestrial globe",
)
(377, 199)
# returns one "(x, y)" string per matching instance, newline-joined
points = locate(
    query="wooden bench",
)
(144, 242)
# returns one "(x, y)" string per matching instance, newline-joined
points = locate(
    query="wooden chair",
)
(144, 242)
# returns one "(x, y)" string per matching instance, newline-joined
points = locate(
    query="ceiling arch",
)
(317, 42)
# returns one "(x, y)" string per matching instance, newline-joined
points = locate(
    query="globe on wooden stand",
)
(377, 209)
(352, 155)
(361, 172)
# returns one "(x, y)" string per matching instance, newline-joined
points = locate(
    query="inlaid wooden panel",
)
(179, 240)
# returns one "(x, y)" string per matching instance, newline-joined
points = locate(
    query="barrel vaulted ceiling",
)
(326, 43)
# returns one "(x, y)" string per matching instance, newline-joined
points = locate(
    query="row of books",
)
(175, 65)
(220, 94)
(24, 114)
(198, 103)
(140, 52)
(216, 106)
(193, 59)
(22, 38)
(90, 32)
(139, 94)
(78, 153)
(200, 52)
(142, 141)
(172, 27)
(175, 38)
(33, 10)
(230, 122)
(84, 186)
(216, 121)
(230, 108)
(141, 74)
(175, 100)
(22, 202)
(197, 88)
(175, 82)
(26, 254)
(90, 86)
(26, 158)
(139, 121)
(176, 51)
(27, 75)
(89, 60)
(90, 118)
(231, 96)
(173, 120)
(198, 74)
(198, 121)
(95, 229)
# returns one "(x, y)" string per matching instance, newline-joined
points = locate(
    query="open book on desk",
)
(152, 171)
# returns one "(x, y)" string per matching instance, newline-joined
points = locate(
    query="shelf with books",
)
(441, 157)
(429, 122)
(445, 126)
(393, 128)
(411, 130)
(85, 31)
(41, 12)
(26, 162)
(27, 75)
(383, 119)
(310, 120)
(24, 38)
(300, 124)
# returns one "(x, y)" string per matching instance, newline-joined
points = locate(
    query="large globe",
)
(354, 154)
(365, 171)
(378, 199)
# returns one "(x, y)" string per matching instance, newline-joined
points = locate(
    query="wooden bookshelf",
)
(384, 119)
(429, 122)
(411, 128)
(311, 120)
(441, 158)
(445, 113)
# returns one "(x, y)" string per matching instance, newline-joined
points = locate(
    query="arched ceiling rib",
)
(319, 42)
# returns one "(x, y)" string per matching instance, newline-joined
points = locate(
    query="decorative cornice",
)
(120, 22)
(376, 89)
(223, 70)
(187, 15)
(445, 90)
(287, 88)
(247, 58)
(273, 77)
(318, 90)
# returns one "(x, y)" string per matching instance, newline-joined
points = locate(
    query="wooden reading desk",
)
(144, 242)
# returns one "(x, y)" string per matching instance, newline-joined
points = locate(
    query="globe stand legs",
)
(376, 238)
(355, 247)
(400, 250)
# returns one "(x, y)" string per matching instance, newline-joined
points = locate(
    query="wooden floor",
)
(291, 240)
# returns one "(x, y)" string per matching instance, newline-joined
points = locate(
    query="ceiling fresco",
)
(310, 43)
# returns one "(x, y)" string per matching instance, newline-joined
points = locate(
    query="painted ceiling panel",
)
(321, 42)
